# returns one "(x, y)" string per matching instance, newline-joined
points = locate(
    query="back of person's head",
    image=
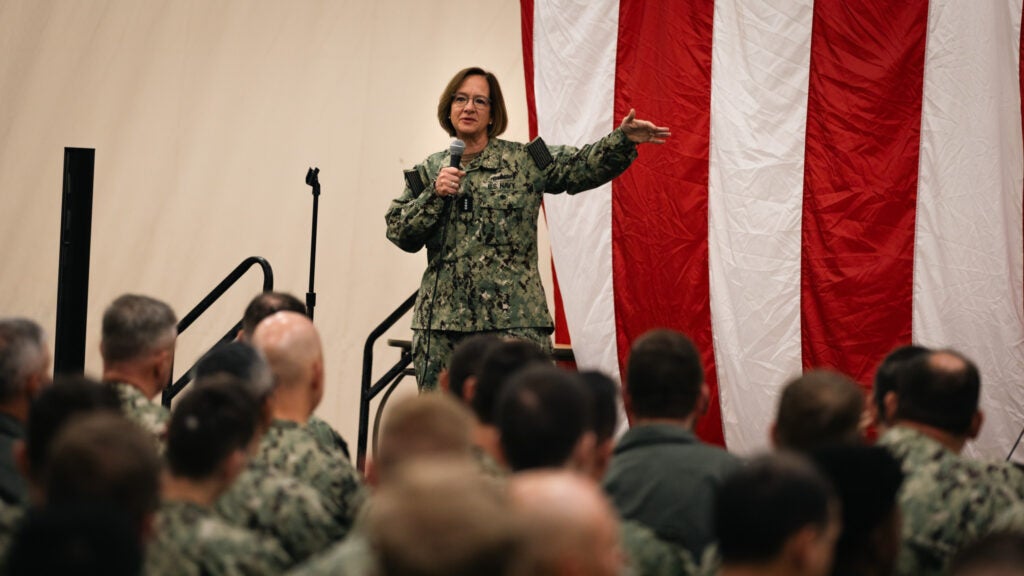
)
(543, 413)
(134, 326)
(819, 408)
(501, 362)
(105, 458)
(267, 304)
(889, 373)
(604, 393)
(771, 504)
(940, 389)
(465, 363)
(240, 360)
(867, 480)
(68, 398)
(212, 422)
(425, 426)
(24, 356)
(664, 376)
(997, 554)
(84, 538)
(291, 344)
(443, 518)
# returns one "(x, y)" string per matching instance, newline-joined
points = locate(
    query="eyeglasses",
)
(461, 100)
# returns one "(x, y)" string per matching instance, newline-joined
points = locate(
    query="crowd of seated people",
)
(512, 468)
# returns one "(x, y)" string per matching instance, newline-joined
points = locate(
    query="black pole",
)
(73, 267)
(313, 180)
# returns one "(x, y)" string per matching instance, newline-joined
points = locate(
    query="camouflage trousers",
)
(442, 342)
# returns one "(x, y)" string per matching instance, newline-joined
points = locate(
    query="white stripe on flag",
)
(968, 269)
(759, 74)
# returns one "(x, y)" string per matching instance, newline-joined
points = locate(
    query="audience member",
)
(24, 371)
(998, 554)
(460, 376)
(817, 409)
(292, 347)
(210, 435)
(137, 346)
(776, 515)
(886, 379)
(661, 475)
(947, 501)
(867, 480)
(570, 526)
(262, 499)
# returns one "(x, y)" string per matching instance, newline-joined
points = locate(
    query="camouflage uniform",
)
(151, 416)
(280, 507)
(646, 555)
(488, 465)
(947, 501)
(486, 274)
(192, 540)
(290, 448)
(351, 557)
(327, 436)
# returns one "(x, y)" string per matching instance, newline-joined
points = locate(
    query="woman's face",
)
(471, 108)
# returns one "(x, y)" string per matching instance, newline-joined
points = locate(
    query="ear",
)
(603, 457)
(372, 473)
(317, 386)
(583, 455)
(443, 381)
(976, 421)
(891, 402)
(627, 402)
(469, 389)
(705, 399)
(234, 465)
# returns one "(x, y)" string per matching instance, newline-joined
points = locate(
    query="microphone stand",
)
(313, 180)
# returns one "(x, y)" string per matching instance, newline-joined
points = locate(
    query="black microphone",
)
(456, 150)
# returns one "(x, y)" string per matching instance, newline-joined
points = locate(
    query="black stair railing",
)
(389, 381)
(174, 389)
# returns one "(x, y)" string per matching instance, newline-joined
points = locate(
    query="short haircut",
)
(499, 114)
(542, 414)
(429, 425)
(85, 538)
(890, 371)
(440, 518)
(466, 360)
(135, 325)
(664, 375)
(105, 457)
(22, 345)
(605, 395)
(209, 424)
(1000, 552)
(267, 304)
(67, 398)
(500, 363)
(819, 408)
(240, 360)
(763, 504)
(867, 480)
(937, 396)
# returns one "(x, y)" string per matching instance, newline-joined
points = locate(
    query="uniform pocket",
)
(499, 212)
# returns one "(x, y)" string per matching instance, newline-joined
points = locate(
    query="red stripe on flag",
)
(860, 182)
(526, 23)
(660, 205)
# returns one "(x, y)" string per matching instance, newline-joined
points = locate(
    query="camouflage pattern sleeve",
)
(575, 170)
(327, 436)
(412, 218)
(649, 556)
(151, 416)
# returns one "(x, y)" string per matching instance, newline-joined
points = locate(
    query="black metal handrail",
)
(172, 390)
(368, 389)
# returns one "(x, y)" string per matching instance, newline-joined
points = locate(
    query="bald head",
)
(292, 347)
(941, 389)
(571, 527)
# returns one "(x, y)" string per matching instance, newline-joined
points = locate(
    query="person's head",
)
(68, 398)
(570, 526)
(442, 518)
(243, 362)
(997, 554)
(887, 378)
(867, 480)
(605, 394)
(940, 389)
(105, 458)
(426, 426)
(819, 408)
(665, 377)
(465, 363)
(291, 345)
(266, 304)
(211, 433)
(498, 364)
(472, 92)
(138, 342)
(24, 364)
(778, 511)
(545, 420)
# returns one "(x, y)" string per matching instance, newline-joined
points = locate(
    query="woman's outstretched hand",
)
(641, 131)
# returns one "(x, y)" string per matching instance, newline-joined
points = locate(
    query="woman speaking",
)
(477, 216)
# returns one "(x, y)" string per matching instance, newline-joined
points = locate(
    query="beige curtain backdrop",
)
(205, 115)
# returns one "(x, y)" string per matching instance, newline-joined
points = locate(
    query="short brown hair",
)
(819, 408)
(430, 425)
(499, 114)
